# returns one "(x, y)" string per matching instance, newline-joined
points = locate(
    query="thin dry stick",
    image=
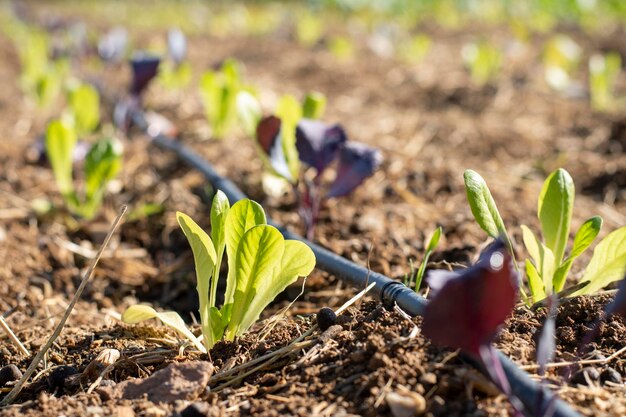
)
(57, 331)
(13, 337)
(580, 362)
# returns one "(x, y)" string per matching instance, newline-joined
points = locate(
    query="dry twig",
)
(57, 331)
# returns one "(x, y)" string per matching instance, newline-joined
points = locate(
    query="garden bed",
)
(430, 126)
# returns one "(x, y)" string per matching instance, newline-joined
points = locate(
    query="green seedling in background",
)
(220, 92)
(175, 76)
(547, 267)
(433, 241)
(483, 60)
(41, 78)
(102, 164)
(415, 49)
(84, 106)
(261, 264)
(561, 57)
(342, 48)
(314, 105)
(289, 111)
(309, 29)
(603, 73)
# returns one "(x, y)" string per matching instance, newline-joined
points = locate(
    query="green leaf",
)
(102, 163)
(249, 112)
(482, 204)
(84, 102)
(434, 240)
(204, 258)
(586, 234)
(290, 113)
(556, 203)
(298, 260)
(314, 105)
(60, 143)
(608, 262)
(219, 212)
(430, 247)
(537, 290)
(542, 257)
(243, 216)
(137, 313)
(260, 251)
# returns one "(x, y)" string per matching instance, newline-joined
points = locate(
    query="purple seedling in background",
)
(112, 46)
(144, 69)
(319, 145)
(468, 307)
(176, 45)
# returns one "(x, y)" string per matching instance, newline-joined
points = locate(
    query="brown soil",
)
(430, 124)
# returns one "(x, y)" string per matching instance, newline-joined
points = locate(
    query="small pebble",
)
(326, 317)
(610, 375)
(195, 410)
(8, 374)
(579, 376)
(56, 379)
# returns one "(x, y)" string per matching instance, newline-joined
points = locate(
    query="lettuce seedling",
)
(144, 68)
(261, 264)
(102, 164)
(561, 57)
(433, 241)
(220, 91)
(483, 60)
(468, 307)
(175, 73)
(548, 266)
(317, 145)
(84, 106)
(603, 73)
(41, 77)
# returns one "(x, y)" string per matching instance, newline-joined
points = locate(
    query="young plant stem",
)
(11, 396)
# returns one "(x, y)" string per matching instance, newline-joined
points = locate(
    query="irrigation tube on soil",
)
(386, 289)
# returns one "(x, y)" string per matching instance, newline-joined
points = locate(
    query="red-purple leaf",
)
(546, 345)
(357, 161)
(122, 112)
(618, 305)
(145, 68)
(318, 143)
(470, 305)
(269, 139)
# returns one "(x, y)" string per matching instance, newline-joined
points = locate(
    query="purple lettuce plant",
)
(468, 307)
(144, 68)
(318, 145)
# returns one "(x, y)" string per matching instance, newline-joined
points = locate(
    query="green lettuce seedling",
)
(548, 265)
(561, 57)
(483, 60)
(102, 163)
(84, 105)
(221, 92)
(41, 78)
(603, 73)
(261, 264)
(433, 241)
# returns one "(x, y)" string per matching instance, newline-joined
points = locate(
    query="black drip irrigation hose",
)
(387, 290)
